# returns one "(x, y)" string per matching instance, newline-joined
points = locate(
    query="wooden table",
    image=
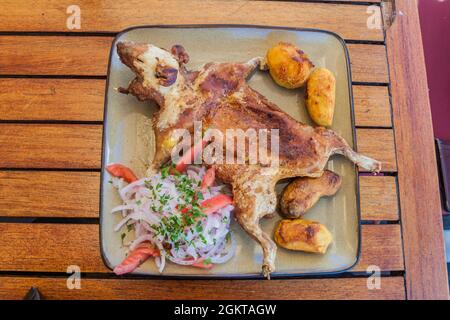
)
(51, 115)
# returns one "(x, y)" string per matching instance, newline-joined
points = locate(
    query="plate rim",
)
(233, 276)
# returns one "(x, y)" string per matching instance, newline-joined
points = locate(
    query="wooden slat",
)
(50, 146)
(50, 247)
(382, 247)
(349, 21)
(426, 276)
(53, 55)
(49, 194)
(53, 247)
(52, 99)
(368, 63)
(378, 144)
(353, 1)
(82, 100)
(78, 195)
(350, 288)
(35, 55)
(378, 196)
(372, 106)
(78, 146)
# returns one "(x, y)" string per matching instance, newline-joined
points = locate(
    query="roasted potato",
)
(289, 66)
(303, 193)
(303, 235)
(321, 96)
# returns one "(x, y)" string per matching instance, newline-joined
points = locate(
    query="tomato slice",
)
(202, 265)
(121, 171)
(212, 205)
(183, 210)
(208, 178)
(189, 156)
(216, 203)
(136, 258)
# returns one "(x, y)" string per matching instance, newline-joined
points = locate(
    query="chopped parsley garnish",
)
(187, 217)
(199, 227)
(165, 172)
(202, 237)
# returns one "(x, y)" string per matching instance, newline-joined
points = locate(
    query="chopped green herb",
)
(199, 227)
(165, 172)
(202, 237)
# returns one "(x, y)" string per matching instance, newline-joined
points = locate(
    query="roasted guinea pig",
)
(219, 97)
(303, 193)
(303, 235)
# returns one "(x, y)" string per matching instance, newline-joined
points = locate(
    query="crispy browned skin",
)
(303, 235)
(303, 193)
(219, 96)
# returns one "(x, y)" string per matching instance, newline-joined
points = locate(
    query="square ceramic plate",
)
(128, 139)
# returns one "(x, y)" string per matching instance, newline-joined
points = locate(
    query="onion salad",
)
(181, 217)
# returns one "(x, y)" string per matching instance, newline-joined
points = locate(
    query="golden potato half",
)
(289, 66)
(303, 235)
(321, 96)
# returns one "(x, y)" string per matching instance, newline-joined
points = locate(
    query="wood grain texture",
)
(52, 99)
(78, 195)
(378, 198)
(382, 247)
(79, 146)
(372, 106)
(35, 55)
(51, 55)
(56, 288)
(83, 99)
(426, 276)
(349, 21)
(50, 146)
(49, 194)
(53, 247)
(378, 144)
(353, 1)
(368, 63)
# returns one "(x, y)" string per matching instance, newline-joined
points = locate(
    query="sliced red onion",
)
(123, 207)
(225, 258)
(139, 240)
